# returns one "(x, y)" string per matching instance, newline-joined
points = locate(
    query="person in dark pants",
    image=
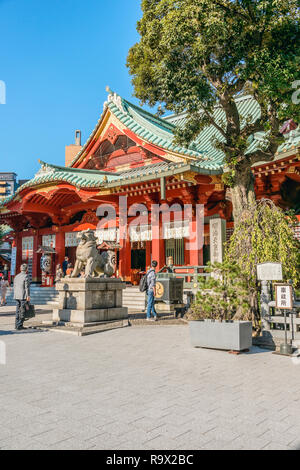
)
(21, 295)
(151, 283)
(65, 265)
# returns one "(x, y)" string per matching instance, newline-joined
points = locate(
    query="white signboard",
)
(269, 272)
(13, 261)
(108, 235)
(283, 296)
(178, 229)
(111, 234)
(27, 245)
(49, 240)
(217, 232)
(71, 239)
(138, 233)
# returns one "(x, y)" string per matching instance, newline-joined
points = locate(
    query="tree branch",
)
(250, 129)
(213, 122)
(230, 9)
(232, 114)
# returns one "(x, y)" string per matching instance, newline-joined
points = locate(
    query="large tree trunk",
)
(243, 201)
(242, 193)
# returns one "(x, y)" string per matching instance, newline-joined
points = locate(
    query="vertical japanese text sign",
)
(217, 232)
(284, 296)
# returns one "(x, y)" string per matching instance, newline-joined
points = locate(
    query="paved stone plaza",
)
(142, 387)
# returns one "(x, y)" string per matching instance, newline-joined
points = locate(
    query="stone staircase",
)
(132, 297)
(38, 296)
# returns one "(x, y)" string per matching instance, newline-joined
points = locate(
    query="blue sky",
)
(56, 57)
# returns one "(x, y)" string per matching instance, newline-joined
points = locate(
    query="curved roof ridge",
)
(151, 116)
(124, 111)
(216, 106)
(69, 169)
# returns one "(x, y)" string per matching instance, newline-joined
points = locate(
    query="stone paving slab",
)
(142, 388)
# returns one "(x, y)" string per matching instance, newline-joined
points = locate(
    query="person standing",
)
(69, 269)
(151, 283)
(4, 284)
(21, 295)
(59, 273)
(5, 272)
(65, 265)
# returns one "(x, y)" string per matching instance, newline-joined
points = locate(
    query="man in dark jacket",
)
(21, 295)
(151, 283)
(65, 265)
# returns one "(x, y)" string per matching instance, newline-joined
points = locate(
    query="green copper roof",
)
(78, 177)
(154, 130)
(59, 174)
(247, 106)
(292, 140)
(4, 230)
(98, 179)
(160, 132)
(151, 128)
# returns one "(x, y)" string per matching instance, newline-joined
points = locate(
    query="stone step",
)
(132, 297)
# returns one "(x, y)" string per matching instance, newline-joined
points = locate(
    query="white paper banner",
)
(140, 233)
(49, 240)
(176, 230)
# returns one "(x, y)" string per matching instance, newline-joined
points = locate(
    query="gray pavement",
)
(142, 388)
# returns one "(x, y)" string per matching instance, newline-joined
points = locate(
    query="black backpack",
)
(143, 283)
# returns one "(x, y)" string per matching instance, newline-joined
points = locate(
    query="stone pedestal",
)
(84, 302)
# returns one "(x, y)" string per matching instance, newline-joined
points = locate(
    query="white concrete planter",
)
(236, 335)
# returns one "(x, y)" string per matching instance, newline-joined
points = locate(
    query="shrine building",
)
(131, 153)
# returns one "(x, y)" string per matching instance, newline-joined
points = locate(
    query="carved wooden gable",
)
(117, 151)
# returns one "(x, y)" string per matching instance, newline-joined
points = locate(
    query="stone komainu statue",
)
(89, 258)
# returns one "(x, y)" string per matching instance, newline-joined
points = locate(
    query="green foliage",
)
(3, 231)
(265, 234)
(223, 296)
(194, 54)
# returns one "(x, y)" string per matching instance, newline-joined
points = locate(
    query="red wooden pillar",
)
(35, 257)
(18, 241)
(148, 254)
(158, 252)
(158, 243)
(194, 246)
(60, 247)
(125, 260)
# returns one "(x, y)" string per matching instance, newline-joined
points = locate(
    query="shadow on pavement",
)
(27, 331)
(257, 350)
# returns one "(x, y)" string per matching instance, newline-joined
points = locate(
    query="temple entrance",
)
(138, 259)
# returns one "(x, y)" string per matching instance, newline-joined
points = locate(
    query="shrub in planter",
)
(223, 296)
(222, 305)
